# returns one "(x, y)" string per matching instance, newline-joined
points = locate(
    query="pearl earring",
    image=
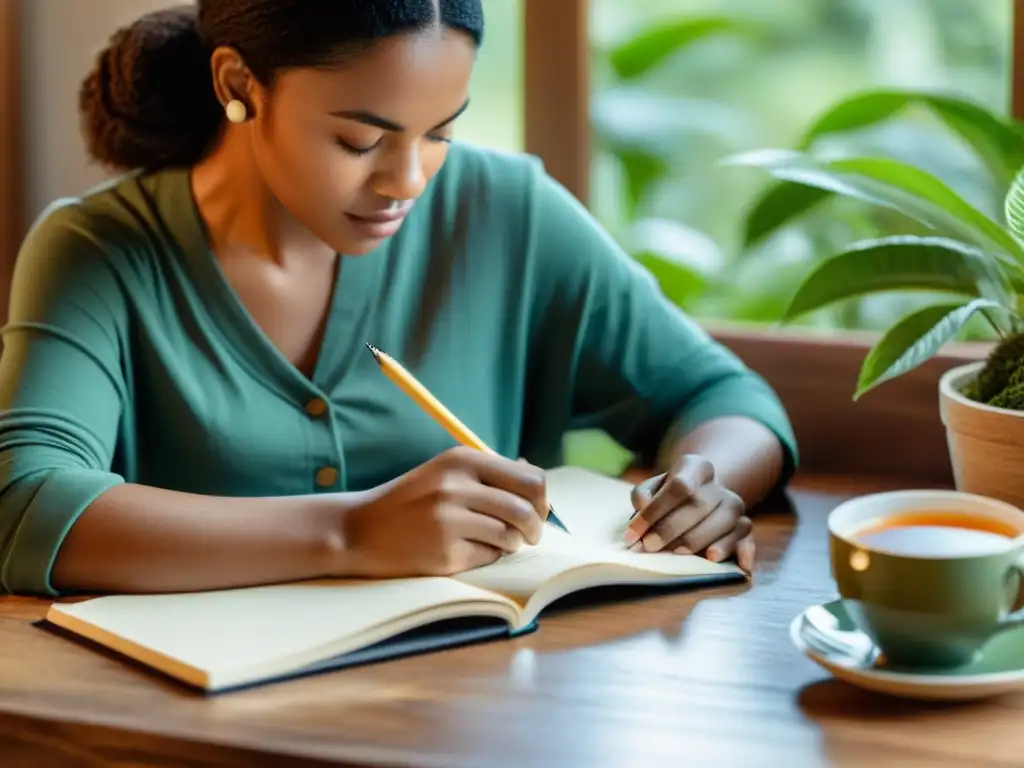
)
(236, 111)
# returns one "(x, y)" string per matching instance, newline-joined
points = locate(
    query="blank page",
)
(229, 631)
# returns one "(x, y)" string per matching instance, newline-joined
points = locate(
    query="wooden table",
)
(705, 678)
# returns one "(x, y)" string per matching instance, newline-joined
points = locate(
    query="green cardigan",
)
(129, 358)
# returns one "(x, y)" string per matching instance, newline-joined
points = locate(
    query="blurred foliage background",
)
(733, 75)
(678, 87)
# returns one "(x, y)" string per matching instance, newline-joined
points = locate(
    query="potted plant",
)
(972, 260)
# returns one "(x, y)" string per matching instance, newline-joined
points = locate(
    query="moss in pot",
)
(1000, 382)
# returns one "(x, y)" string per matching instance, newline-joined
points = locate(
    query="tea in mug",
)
(935, 533)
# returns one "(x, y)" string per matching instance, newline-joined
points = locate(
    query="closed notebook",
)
(226, 639)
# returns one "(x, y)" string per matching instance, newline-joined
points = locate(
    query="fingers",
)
(745, 551)
(484, 529)
(718, 523)
(724, 546)
(676, 488)
(506, 508)
(642, 493)
(516, 477)
(739, 541)
(466, 555)
(691, 516)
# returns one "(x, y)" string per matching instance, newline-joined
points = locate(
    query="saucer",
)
(827, 636)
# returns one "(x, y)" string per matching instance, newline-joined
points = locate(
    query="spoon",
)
(822, 631)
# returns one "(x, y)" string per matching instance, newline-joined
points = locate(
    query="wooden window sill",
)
(894, 431)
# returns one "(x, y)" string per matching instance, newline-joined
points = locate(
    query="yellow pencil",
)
(436, 410)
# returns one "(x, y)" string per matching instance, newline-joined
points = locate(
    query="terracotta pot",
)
(986, 444)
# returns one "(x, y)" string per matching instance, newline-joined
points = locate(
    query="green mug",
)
(929, 575)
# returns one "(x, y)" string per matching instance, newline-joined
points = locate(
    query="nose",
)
(404, 177)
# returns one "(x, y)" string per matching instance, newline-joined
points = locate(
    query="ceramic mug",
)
(929, 575)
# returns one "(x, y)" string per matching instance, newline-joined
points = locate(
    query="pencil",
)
(433, 408)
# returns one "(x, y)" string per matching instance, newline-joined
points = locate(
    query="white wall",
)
(60, 40)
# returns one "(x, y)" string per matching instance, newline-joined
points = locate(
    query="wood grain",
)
(1017, 62)
(700, 678)
(556, 90)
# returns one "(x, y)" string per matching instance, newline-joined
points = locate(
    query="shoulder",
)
(111, 225)
(536, 222)
(513, 191)
(85, 246)
(547, 223)
(486, 188)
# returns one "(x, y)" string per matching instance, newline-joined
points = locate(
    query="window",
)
(495, 117)
(752, 75)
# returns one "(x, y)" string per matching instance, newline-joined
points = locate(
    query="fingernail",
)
(714, 555)
(637, 547)
(632, 534)
(683, 551)
(653, 542)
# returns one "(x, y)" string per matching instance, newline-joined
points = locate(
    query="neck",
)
(242, 215)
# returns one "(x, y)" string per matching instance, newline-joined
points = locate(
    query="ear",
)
(232, 79)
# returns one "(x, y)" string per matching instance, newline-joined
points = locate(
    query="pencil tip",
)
(374, 351)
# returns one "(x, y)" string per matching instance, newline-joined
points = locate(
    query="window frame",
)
(11, 178)
(836, 434)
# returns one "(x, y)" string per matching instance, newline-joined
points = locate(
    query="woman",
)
(187, 399)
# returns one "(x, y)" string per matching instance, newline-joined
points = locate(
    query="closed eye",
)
(354, 150)
(360, 151)
(368, 118)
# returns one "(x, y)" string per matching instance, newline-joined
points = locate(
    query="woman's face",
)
(341, 148)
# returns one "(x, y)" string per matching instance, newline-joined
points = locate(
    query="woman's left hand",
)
(687, 512)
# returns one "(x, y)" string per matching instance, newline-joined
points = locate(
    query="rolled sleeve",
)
(743, 394)
(61, 396)
(47, 505)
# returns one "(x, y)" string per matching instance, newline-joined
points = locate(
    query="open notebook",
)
(227, 639)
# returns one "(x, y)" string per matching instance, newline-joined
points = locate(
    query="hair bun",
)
(149, 100)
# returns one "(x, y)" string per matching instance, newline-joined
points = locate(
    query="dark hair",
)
(149, 100)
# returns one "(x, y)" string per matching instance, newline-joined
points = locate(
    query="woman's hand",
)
(687, 512)
(460, 510)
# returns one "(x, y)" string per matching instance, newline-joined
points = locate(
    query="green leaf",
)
(914, 339)
(996, 141)
(678, 282)
(777, 206)
(1013, 206)
(890, 184)
(858, 111)
(927, 187)
(901, 262)
(656, 43)
(595, 450)
(1000, 146)
(641, 171)
(804, 169)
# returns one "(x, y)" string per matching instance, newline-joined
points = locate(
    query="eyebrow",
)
(368, 118)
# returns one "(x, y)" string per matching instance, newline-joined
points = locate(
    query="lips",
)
(380, 224)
